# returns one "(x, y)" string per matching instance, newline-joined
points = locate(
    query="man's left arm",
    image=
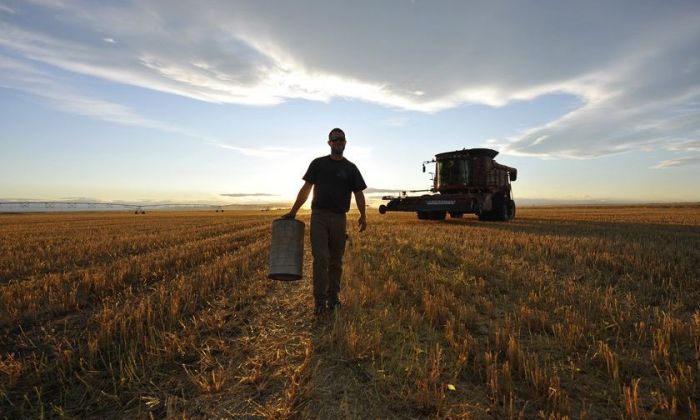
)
(360, 201)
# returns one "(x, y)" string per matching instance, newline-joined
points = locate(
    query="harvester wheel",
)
(422, 215)
(501, 209)
(503, 213)
(382, 209)
(511, 209)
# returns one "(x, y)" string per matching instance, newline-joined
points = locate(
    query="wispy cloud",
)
(635, 71)
(24, 77)
(88, 199)
(265, 151)
(685, 146)
(684, 161)
(7, 9)
(249, 195)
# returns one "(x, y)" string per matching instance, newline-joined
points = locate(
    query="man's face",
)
(337, 144)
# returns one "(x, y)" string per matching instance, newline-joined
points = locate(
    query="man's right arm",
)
(301, 199)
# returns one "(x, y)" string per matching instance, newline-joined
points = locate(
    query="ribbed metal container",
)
(287, 250)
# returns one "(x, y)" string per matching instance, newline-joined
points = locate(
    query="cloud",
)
(685, 161)
(7, 9)
(249, 195)
(24, 77)
(685, 146)
(653, 102)
(27, 78)
(263, 152)
(634, 66)
(77, 199)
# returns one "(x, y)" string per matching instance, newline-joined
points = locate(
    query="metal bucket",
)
(287, 250)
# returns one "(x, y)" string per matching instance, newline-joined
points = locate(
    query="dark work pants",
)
(327, 247)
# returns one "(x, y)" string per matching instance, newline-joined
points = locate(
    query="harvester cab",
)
(465, 181)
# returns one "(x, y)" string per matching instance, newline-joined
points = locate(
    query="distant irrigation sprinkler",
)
(51, 206)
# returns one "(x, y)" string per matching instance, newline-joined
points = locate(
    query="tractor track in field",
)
(267, 356)
(281, 363)
(142, 278)
(155, 245)
(137, 291)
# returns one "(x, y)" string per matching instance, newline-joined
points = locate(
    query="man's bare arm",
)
(360, 201)
(301, 199)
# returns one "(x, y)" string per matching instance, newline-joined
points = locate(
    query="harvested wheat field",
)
(564, 312)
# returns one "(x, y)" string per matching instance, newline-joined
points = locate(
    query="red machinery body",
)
(465, 181)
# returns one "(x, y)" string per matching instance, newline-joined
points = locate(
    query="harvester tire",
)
(423, 215)
(382, 209)
(511, 209)
(501, 208)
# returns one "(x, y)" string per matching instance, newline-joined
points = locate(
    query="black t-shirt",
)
(333, 181)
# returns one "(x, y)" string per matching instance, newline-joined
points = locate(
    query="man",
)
(332, 178)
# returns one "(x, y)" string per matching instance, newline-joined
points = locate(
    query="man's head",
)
(336, 140)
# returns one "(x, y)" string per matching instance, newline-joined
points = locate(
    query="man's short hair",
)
(335, 133)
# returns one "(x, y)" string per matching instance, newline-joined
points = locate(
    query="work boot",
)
(319, 309)
(333, 305)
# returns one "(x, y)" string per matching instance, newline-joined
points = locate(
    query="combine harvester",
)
(465, 181)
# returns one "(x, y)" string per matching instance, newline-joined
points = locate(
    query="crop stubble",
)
(563, 312)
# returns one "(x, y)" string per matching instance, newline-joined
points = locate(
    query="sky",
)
(228, 101)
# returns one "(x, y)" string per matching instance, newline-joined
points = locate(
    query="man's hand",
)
(289, 215)
(360, 201)
(362, 223)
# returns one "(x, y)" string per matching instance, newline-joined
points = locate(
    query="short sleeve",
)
(358, 183)
(311, 175)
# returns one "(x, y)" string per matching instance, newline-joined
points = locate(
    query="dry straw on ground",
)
(564, 312)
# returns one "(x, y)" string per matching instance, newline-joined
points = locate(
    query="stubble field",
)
(578, 312)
